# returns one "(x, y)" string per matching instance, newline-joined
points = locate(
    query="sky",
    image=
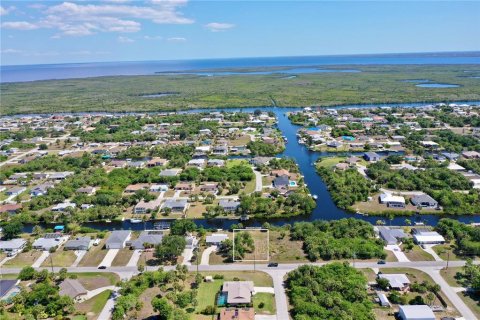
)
(45, 32)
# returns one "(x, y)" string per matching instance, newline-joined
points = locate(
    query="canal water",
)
(326, 208)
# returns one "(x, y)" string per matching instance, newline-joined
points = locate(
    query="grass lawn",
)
(235, 162)
(240, 141)
(146, 298)
(261, 243)
(60, 258)
(206, 294)
(122, 257)
(92, 307)
(250, 186)
(369, 273)
(260, 279)
(282, 249)
(195, 210)
(95, 280)
(268, 301)
(95, 255)
(390, 256)
(23, 259)
(447, 252)
(418, 254)
(329, 162)
(450, 275)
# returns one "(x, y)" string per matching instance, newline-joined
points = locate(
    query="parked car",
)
(273, 264)
(102, 267)
(381, 262)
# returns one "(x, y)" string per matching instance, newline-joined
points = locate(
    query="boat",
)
(162, 225)
(315, 197)
(108, 221)
(244, 218)
(135, 220)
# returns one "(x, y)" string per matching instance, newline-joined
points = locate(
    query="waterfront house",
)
(79, 243)
(150, 237)
(144, 207)
(423, 236)
(390, 235)
(392, 201)
(371, 156)
(216, 238)
(48, 241)
(229, 205)
(281, 182)
(238, 292)
(176, 205)
(424, 200)
(117, 239)
(61, 207)
(13, 246)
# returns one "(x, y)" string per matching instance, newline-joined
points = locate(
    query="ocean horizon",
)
(36, 72)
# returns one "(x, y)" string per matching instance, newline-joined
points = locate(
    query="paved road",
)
(281, 303)
(450, 293)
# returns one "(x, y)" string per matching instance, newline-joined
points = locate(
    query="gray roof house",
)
(72, 288)
(391, 236)
(371, 156)
(13, 245)
(117, 239)
(80, 243)
(424, 200)
(397, 280)
(170, 172)
(153, 237)
(229, 205)
(6, 286)
(416, 312)
(49, 240)
(281, 181)
(238, 292)
(176, 205)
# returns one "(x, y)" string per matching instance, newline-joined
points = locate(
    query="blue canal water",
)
(21, 73)
(326, 208)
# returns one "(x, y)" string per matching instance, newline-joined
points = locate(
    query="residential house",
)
(451, 156)
(63, 206)
(471, 154)
(151, 237)
(11, 208)
(371, 156)
(6, 286)
(158, 188)
(41, 189)
(397, 281)
(216, 163)
(199, 163)
(238, 292)
(425, 236)
(280, 172)
(48, 241)
(192, 242)
(391, 235)
(89, 191)
(176, 205)
(170, 172)
(117, 239)
(157, 162)
(210, 187)
(424, 200)
(15, 191)
(60, 175)
(416, 312)
(229, 205)
(144, 207)
(392, 201)
(13, 246)
(184, 186)
(383, 300)
(216, 238)
(281, 182)
(79, 243)
(73, 289)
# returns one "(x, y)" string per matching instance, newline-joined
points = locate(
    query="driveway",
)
(107, 309)
(397, 251)
(265, 317)
(429, 249)
(107, 261)
(134, 259)
(93, 293)
(6, 259)
(80, 254)
(206, 255)
(187, 256)
(264, 290)
(41, 259)
(280, 295)
(258, 181)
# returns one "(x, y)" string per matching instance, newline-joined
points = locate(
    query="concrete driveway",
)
(134, 259)
(397, 251)
(80, 254)
(93, 293)
(429, 249)
(266, 317)
(206, 255)
(107, 261)
(258, 181)
(187, 256)
(41, 259)
(264, 290)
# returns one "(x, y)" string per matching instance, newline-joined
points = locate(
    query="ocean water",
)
(24, 73)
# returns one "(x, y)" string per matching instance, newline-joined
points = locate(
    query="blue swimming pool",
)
(292, 183)
(222, 299)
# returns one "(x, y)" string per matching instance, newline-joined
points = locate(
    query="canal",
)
(326, 208)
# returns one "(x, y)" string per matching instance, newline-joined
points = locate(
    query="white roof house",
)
(455, 167)
(397, 280)
(429, 237)
(392, 201)
(416, 312)
(216, 238)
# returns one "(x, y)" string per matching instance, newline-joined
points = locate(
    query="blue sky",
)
(34, 32)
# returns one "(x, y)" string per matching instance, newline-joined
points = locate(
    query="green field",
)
(375, 84)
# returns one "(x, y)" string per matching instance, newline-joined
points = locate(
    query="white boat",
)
(108, 221)
(315, 197)
(135, 220)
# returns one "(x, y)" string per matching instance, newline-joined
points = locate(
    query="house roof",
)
(281, 181)
(216, 238)
(422, 198)
(238, 291)
(5, 286)
(72, 288)
(152, 237)
(397, 280)
(225, 203)
(78, 242)
(387, 197)
(118, 237)
(417, 312)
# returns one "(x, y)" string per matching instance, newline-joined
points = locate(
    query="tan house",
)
(74, 289)
(238, 292)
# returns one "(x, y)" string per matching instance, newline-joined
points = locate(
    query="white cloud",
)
(218, 26)
(10, 51)
(152, 37)
(74, 19)
(122, 39)
(176, 39)
(5, 11)
(19, 25)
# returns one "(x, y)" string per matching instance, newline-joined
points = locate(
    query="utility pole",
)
(51, 262)
(448, 258)
(354, 256)
(254, 262)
